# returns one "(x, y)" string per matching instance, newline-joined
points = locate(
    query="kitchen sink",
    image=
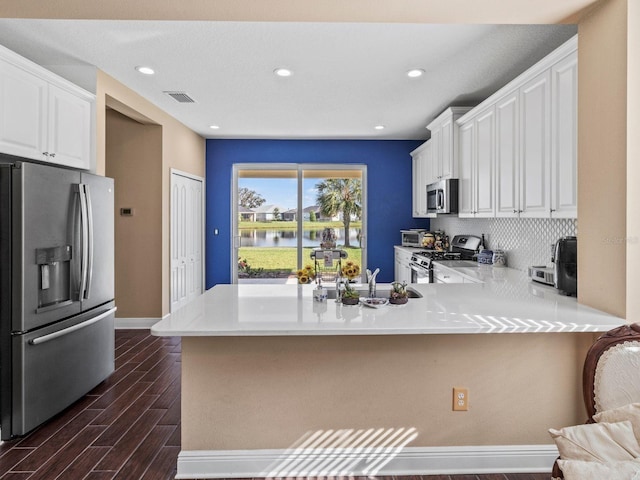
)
(381, 292)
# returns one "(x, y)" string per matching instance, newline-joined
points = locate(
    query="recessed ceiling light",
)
(283, 72)
(214, 127)
(379, 127)
(145, 70)
(415, 73)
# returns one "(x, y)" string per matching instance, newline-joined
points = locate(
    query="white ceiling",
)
(348, 77)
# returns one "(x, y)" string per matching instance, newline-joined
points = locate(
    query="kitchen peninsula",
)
(275, 384)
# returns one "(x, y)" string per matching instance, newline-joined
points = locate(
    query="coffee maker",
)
(566, 265)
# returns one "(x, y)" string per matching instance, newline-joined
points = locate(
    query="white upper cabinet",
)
(42, 116)
(444, 141)
(23, 130)
(507, 155)
(69, 128)
(535, 148)
(466, 176)
(421, 158)
(564, 138)
(518, 148)
(476, 165)
(484, 163)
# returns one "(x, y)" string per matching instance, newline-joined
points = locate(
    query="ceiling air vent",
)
(181, 97)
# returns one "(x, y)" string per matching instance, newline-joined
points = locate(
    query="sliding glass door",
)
(280, 214)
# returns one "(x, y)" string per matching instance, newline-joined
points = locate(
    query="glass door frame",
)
(300, 168)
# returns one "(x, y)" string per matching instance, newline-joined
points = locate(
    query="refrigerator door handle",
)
(89, 271)
(66, 331)
(84, 240)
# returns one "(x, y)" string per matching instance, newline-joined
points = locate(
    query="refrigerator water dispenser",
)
(54, 266)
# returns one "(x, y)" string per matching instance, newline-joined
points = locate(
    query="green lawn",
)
(269, 262)
(282, 261)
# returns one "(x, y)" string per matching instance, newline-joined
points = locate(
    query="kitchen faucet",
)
(338, 283)
(371, 278)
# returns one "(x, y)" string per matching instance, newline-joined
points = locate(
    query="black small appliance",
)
(566, 265)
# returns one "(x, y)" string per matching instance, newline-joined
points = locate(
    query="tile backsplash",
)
(527, 241)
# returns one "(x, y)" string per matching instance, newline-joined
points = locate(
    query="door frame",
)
(175, 172)
(234, 240)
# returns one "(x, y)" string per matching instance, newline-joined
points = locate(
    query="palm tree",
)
(341, 195)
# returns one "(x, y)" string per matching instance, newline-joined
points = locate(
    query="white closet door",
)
(186, 239)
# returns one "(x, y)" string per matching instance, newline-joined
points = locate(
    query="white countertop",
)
(508, 302)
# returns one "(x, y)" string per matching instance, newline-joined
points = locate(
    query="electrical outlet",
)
(460, 399)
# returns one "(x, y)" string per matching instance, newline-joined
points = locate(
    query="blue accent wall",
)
(389, 191)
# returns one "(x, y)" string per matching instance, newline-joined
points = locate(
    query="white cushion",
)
(616, 378)
(629, 412)
(597, 442)
(581, 470)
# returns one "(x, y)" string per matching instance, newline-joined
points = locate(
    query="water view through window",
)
(282, 213)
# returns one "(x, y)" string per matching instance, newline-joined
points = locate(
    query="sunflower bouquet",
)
(306, 274)
(350, 270)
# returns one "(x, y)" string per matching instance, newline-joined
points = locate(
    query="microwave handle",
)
(440, 200)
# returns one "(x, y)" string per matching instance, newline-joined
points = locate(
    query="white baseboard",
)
(203, 464)
(136, 323)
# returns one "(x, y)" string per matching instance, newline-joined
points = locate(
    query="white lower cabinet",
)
(42, 116)
(402, 269)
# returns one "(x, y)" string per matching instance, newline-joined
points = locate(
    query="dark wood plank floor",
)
(128, 428)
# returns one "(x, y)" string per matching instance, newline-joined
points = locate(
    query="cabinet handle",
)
(551, 210)
(52, 155)
(46, 154)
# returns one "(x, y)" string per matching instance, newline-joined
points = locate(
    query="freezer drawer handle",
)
(60, 333)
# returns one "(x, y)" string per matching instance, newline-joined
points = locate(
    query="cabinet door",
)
(415, 179)
(535, 132)
(69, 129)
(23, 102)
(466, 190)
(564, 138)
(429, 168)
(436, 153)
(484, 164)
(448, 168)
(507, 155)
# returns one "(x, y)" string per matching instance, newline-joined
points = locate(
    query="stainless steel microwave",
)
(442, 196)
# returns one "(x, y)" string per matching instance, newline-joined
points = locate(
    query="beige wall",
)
(633, 162)
(134, 161)
(253, 393)
(602, 157)
(181, 148)
(609, 152)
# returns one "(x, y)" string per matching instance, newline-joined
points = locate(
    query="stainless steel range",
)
(463, 248)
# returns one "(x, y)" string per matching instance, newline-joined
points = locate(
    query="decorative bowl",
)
(350, 301)
(399, 300)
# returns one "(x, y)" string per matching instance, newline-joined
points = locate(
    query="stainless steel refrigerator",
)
(56, 290)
